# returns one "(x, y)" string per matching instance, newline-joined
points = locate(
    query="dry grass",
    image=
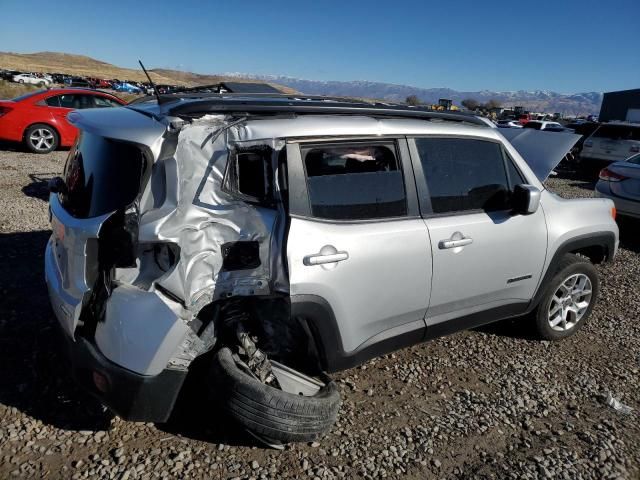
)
(10, 90)
(54, 62)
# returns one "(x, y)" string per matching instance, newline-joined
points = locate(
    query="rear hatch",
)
(614, 142)
(102, 176)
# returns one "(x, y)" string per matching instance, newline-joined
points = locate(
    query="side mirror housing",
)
(525, 199)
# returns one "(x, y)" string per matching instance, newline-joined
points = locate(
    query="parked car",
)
(126, 87)
(78, 82)
(39, 119)
(545, 125)
(9, 74)
(620, 181)
(32, 79)
(275, 239)
(611, 142)
(508, 124)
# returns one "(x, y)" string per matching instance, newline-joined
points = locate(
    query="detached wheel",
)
(40, 138)
(270, 412)
(568, 300)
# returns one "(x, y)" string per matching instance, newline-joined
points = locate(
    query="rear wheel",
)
(568, 300)
(273, 414)
(40, 138)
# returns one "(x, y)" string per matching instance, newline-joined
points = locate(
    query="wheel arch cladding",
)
(598, 246)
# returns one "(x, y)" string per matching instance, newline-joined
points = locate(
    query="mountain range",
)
(538, 100)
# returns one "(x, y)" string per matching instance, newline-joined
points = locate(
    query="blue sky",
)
(565, 46)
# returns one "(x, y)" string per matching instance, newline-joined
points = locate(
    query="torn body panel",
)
(196, 243)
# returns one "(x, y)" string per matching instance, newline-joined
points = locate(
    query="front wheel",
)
(568, 300)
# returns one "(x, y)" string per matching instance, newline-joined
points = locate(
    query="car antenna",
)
(153, 85)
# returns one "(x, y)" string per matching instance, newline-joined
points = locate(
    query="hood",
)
(543, 151)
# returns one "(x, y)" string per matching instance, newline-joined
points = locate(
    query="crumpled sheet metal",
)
(199, 217)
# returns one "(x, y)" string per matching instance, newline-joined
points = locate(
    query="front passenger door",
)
(485, 257)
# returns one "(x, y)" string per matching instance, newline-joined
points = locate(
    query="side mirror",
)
(525, 199)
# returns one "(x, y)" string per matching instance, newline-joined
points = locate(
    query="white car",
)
(544, 125)
(32, 79)
(612, 142)
(508, 124)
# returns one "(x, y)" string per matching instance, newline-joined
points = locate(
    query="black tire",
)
(53, 139)
(569, 265)
(270, 412)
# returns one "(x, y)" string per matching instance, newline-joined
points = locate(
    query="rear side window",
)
(466, 174)
(101, 176)
(355, 181)
(53, 101)
(618, 132)
(534, 125)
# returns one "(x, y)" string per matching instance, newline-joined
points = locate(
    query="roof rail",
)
(271, 104)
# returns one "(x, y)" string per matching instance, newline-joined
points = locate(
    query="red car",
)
(39, 119)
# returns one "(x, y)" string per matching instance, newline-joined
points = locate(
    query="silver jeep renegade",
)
(274, 239)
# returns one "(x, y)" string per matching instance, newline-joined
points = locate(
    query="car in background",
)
(508, 124)
(544, 125)
(39, 119)
(620, 182)
(126, 88)
(611, 142)
(77, 82)
(32, 79)
(9, 74)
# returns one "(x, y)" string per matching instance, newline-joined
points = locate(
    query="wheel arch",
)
(26, 128)
(598, 247)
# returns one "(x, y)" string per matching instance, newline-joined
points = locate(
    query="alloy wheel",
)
(42, 139)
(570, 302)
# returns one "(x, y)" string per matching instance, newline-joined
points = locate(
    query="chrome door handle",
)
(320, 259)
(455, 243)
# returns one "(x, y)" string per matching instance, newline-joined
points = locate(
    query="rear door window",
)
(467, 174)
(101, 176)
(355, 180)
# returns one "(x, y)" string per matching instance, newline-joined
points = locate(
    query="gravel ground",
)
(489, 403)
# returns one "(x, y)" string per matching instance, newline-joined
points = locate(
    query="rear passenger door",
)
(485, 257)
(357, 242)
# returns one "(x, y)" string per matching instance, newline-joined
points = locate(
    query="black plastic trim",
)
(606, 240)
(321, 320)
(131, 396)
(477, 319)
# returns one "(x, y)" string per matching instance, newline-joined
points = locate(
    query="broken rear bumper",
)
(139, 398)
